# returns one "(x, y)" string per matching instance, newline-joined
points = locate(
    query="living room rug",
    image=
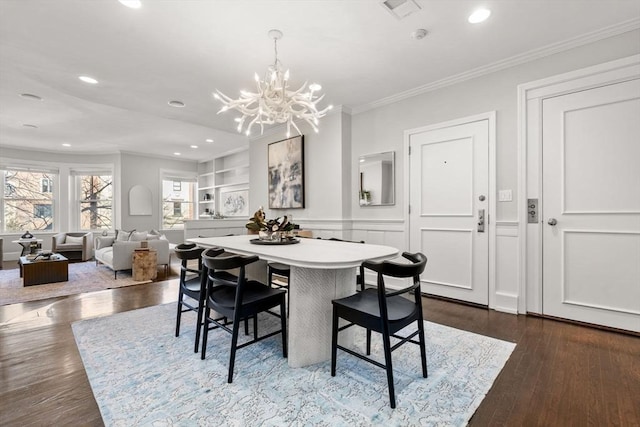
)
(141, 374)
(83, 277)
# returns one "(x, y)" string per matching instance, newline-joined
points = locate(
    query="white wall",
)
(381, 129)
(144, 170)
(326, 180)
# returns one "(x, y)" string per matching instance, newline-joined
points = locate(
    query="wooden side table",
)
(145, 264)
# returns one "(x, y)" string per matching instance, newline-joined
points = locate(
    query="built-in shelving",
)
(227, 173)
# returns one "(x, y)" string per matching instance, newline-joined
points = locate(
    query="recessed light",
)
(209, 140)
(88, 79)
(177, 154)
(194, 146)
(479, 16)
(133, 4)
(66, 144)
(31, 96)
(177, 104)
(29, 125)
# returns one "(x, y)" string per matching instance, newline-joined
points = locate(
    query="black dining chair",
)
(283, 276)
(191, 285)
(384, 312)
(239, 299)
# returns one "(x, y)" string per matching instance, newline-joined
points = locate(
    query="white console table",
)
(321, 270)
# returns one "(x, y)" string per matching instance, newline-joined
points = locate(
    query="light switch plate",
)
(505, 196)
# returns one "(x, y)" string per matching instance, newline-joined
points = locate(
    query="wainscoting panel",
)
(507, 268)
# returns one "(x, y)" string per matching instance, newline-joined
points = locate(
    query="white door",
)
(591, 206)
(449, 197)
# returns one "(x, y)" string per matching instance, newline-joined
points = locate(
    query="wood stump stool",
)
(145, 264)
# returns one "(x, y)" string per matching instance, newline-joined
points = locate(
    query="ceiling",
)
(185, 49)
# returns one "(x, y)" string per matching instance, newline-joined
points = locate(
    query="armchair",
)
(77, 246)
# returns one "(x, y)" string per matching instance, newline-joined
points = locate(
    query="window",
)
(95, 200)
(178, 201)
(27, 199)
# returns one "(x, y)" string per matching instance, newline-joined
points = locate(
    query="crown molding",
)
(531, 55)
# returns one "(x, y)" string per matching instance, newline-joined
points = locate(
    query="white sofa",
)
(118, 255)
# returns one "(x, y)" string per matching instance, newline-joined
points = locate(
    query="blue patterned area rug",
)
(142, 375)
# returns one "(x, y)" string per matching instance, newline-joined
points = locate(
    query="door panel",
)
(449, 170)
(591, 190)
(450, 162)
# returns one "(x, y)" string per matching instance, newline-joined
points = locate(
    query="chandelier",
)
(273, 102)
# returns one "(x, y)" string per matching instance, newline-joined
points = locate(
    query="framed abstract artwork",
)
(286, 173)
(234, 203)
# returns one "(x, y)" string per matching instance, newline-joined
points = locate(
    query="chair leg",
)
(368, 342)
(283, 325)
(255, 327)
(389, 365)
(423, 349)
(205, 333)
(179, 314)
(199, 324)
(234, 344)
(334, 342)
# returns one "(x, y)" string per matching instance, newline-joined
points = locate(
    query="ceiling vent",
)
(400, 8)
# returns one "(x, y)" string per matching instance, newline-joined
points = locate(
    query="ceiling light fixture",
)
(273, 102)
(29, 125)
(209, 140)
(177, 104)
(194, 146)
(177, 154)
(133, 4)
(88, 79)
(66, 144)
(479, 15)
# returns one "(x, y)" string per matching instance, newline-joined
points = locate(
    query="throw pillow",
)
(152, 236)
(73, 239)
(155, 232)
(138, 236)
(123, 235)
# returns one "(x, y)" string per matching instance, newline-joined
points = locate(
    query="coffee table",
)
(40, 271)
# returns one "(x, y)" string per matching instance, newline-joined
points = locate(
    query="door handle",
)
(480, 220)
(552, 221)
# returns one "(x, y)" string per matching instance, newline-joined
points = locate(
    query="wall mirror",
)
(377, 183)
(140, 200)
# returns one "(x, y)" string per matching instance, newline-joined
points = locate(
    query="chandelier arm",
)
(294, 125)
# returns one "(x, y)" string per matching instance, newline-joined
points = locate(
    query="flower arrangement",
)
(268, 228)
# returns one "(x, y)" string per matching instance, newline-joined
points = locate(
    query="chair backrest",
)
(400, 270)
(186, 252)
(225, 263)
(186, 246)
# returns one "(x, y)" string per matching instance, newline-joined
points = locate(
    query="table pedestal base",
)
(310, 312)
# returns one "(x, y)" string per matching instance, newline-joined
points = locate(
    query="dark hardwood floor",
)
(560, 374)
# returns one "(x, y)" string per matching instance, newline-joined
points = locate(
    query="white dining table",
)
(321, 270)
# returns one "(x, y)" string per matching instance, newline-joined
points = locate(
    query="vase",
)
(268, 235)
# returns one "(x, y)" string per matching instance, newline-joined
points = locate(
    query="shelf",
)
(236, 168)
(231, 184)
(206, 201)
(202, 175)
(210, 187)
